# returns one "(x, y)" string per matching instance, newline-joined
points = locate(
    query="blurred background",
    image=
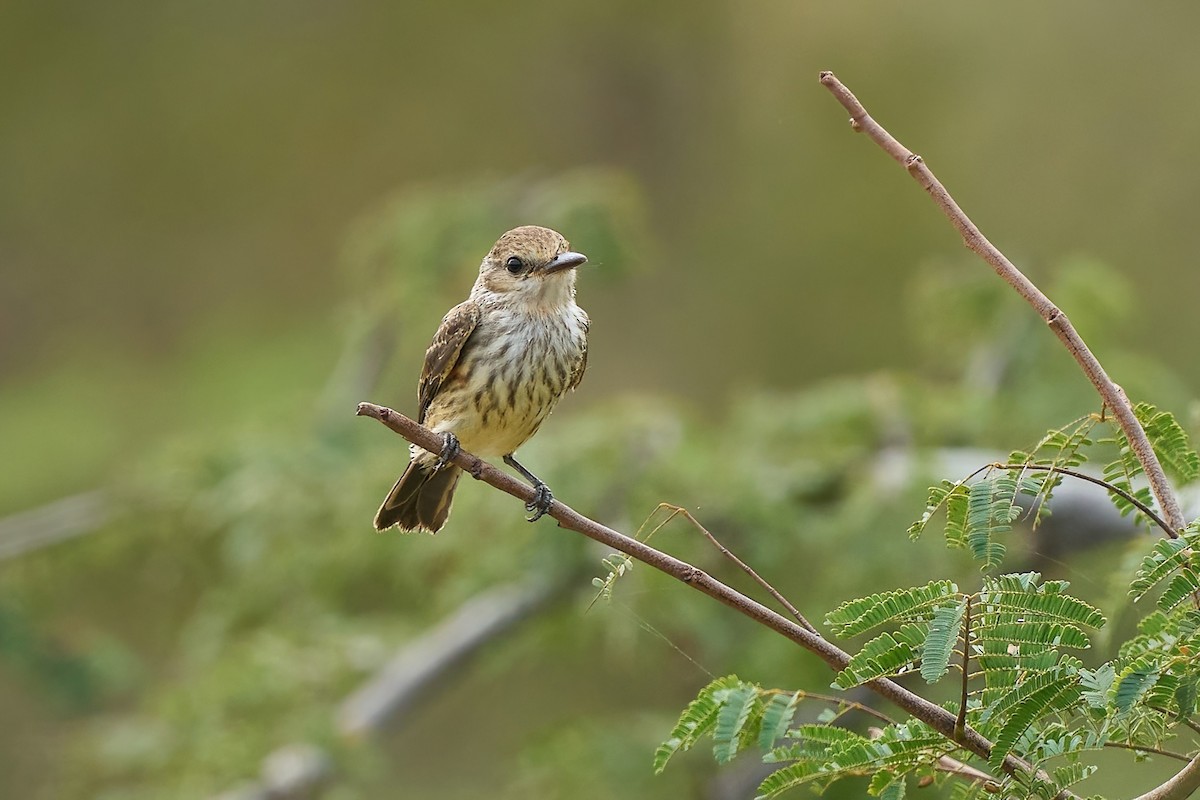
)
(223, 224)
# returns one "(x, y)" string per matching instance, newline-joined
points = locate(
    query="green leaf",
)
(1165, 557)
(1097, 685)
(1185, 698)
(737, 705)
(787, 778)
(1169, 441)
(991, 510)
(1054, 696)
(947, 493)
(1181, 586)
(1018, 597)
(885, 655)
(887, 786)
(697, 719)
(939, 644)
(1135, 681)
(1044, 634)
(1071, 774)
(780, 711)
(914, 604)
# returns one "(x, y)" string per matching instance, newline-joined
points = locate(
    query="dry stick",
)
(1188, 779)
(933, 715)
(725, 551)
(1112, 395)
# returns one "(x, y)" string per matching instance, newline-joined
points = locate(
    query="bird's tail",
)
(420, 500)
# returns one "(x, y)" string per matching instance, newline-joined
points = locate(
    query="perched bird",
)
(498, 365)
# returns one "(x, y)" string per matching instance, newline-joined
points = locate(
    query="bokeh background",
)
(223, 224)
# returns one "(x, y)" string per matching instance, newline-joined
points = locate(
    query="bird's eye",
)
(514, 264)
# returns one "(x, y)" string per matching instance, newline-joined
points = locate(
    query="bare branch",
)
(933, 715)
(1112, 394)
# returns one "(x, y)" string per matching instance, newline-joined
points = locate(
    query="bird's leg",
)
(450, 449)
(542, 499)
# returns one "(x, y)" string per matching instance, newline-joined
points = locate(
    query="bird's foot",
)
(541, 502)
(450, 449)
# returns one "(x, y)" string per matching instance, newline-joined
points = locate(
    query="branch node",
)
(913, 161)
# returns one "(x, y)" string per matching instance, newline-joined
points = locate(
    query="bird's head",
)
(531, 265)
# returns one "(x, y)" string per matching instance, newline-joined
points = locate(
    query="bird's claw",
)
(541, 502)
(450, 449)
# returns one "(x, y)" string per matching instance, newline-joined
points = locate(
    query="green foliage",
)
(1169, 441)
(1015, 631)
(1061, 448)
(991, 511)
(1021, 689)
(1171, 446)
(939, 643)
(977, 513)
(618, 564)
(698, 719)
(917, 603)
(1174, 561)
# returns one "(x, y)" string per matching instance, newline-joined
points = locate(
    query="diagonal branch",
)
(933, 715)
(1112, 394)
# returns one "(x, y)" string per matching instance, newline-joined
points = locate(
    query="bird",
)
(498, 365)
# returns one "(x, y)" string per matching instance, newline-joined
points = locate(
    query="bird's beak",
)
(567, 260)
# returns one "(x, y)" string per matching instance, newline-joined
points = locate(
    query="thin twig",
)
(1141, 748)
(1112, 394)
(725, 551)
(960, 722)
(933, 715)
(1145, 509)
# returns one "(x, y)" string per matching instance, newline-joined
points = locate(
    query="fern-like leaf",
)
(1071, 774)
(892, 790)
(1181, 586)
(939, 643)
(917, 603)
(697, 719)
(1136, 680)
(1165, 557)
(991, 511)
(1044, 634)
(1169, 441)
(952, 495)
(885, 655)
(1058, 449)
(1054, 696)
(776, 719)
(737, 704)
(1097, 685)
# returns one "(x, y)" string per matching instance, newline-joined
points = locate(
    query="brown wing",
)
(442, 355)
(581, 364)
